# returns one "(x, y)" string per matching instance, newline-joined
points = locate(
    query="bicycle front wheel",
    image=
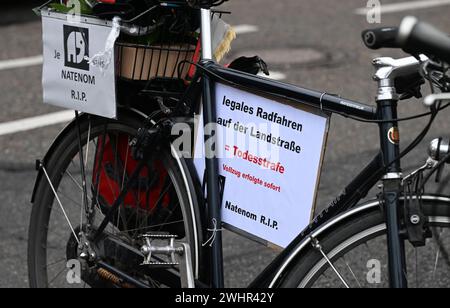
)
(159, 202)
(356, 254)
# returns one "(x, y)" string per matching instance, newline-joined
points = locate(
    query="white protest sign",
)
(270, 156)
(70, 80)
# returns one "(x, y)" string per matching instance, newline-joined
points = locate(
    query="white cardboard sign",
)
(270, 160)
(69, 79)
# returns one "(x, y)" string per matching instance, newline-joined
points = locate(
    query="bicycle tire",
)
(312, 270)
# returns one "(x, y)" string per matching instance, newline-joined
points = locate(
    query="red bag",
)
(109, 174)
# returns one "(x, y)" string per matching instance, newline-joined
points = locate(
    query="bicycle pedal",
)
(176, 254)
(160, 264)
(153, 247)
(158, 236)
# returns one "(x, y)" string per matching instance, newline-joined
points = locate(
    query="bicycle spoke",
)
(439, 242)
(352, 272)
(102, 149)
(60, 205)
(168, 217)
(417, 266)
(56, 277)
(154, 226)
(109, 183)
(436, 263)
(126, 163)
(165, 191)
(318, 247)
(81, 189)
(56, 263)
(96, 201)
(87, 145)
(83, 171)
(70, 199)
(115, 171)
(73, 180)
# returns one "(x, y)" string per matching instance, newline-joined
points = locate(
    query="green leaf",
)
(61, 8)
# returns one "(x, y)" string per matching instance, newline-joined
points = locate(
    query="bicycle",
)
(112, 242)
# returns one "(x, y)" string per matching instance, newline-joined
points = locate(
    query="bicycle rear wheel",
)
(357, 253)
(161, 201)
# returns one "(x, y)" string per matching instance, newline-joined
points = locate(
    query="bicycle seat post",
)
(206, 34)
(212, 167)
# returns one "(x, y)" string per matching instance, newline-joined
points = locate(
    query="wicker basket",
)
(142, 63)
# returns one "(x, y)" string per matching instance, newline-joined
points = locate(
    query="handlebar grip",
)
(381, 38)
(419, 37)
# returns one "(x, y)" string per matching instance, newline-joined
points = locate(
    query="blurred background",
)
(315, 44)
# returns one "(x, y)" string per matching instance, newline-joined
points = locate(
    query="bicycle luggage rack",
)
(146, 67)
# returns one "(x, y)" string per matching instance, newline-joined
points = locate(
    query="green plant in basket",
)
(85, 8)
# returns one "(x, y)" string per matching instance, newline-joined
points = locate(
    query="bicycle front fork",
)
(396, 243)
(390, 139)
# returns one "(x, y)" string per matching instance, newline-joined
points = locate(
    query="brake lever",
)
(431, 100)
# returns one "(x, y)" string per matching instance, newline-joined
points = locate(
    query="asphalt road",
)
(329, 28)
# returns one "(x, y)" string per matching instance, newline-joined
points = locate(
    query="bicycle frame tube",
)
(212, 167)
(321, 100)
(389, 139)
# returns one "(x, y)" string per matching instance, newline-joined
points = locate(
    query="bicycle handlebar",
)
(204, 4)
(421, 38)
(381, 38)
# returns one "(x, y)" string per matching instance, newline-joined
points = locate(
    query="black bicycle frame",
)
(381, 165)
(384, 164)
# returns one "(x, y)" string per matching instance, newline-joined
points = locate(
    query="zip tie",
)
(103, 59)
(214, 231)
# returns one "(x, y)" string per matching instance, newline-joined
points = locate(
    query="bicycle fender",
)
(49, 153)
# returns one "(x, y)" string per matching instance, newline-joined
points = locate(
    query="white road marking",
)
(274, 75)
(27, 124)
(22, 62)
(38, 60)
(245, 29)
(405, 6)
(50, 119)
(66, 116)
